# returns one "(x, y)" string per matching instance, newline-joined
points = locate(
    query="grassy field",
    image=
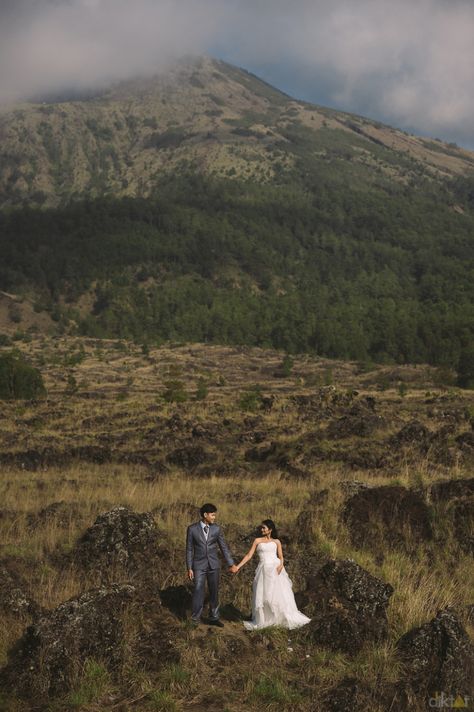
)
(164, 430)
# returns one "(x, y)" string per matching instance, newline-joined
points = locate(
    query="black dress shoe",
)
(217, 623)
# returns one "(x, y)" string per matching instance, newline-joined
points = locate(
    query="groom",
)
(202, 560)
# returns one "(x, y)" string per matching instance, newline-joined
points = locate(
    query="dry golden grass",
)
(109, 411)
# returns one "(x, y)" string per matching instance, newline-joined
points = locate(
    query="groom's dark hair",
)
(207, 509)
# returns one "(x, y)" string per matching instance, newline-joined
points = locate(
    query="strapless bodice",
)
(267, 552)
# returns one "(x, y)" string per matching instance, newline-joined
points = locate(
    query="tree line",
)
(369, 272)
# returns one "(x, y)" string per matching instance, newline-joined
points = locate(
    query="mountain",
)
(206, 115)
(203, 204)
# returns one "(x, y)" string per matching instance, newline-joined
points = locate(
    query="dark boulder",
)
(372, 457)
(133, 458)
(58, 513)
(156, 632)
(50, 655)
(450, 489)
(304, 526)
(361, 420)
(91, 453)
(33, 460)
(306, 518)
(294, 472)
(349, 695)
(413, 433)
(441, 447)
(121, 538)
(208, 431)
(14, 596)
(319, 499)
(8, 515)
(176, 423)
(463, 523)
(267, 402)
(437, 657)
(352, 487)
(392, 515)
(275, 453)
(188, 457)
(347, 605)
(262, 452)
(326, 402)
(252, 436)
(466, 440)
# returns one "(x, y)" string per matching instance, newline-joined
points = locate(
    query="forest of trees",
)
(385, 274)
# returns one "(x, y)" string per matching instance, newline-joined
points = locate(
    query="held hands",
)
(233, 570)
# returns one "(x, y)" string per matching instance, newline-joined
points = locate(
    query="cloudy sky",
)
(409, 63)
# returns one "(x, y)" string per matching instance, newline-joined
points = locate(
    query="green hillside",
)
(204, 205)
(359, 274)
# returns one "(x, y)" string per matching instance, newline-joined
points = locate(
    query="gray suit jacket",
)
(202, 554)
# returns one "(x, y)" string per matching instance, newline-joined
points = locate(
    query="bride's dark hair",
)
(271, 525)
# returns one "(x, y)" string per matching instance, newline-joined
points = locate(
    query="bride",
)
(273, 602)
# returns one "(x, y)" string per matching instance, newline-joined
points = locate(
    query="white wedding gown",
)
(273, 602)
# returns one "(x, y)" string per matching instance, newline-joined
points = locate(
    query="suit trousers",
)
(200, 576)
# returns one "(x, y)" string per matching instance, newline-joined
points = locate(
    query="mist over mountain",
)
(202, 115)
(203, 204)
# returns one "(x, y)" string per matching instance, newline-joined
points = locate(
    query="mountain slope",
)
(205, 205)
(352, 274)
(205, 115)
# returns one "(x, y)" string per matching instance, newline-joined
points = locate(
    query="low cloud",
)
(48, 45)
(409, 63)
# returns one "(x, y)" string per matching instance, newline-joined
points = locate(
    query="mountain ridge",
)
(204, 115)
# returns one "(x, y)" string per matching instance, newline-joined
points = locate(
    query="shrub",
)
(444, 376)
(402, 389)
(287, 365)
(174, 392)
(252, 399)
(466, 368)
(201, 390)
(18, 379)
(72, 385)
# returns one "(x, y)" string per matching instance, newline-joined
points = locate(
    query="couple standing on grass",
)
(273, 602)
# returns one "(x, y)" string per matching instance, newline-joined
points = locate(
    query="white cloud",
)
(410, 62)
(88, 42)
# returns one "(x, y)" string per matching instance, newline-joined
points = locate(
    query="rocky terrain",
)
(367, 471)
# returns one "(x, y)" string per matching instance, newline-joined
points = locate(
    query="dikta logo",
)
(443, 701)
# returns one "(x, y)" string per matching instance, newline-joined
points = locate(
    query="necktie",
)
(206, 531)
